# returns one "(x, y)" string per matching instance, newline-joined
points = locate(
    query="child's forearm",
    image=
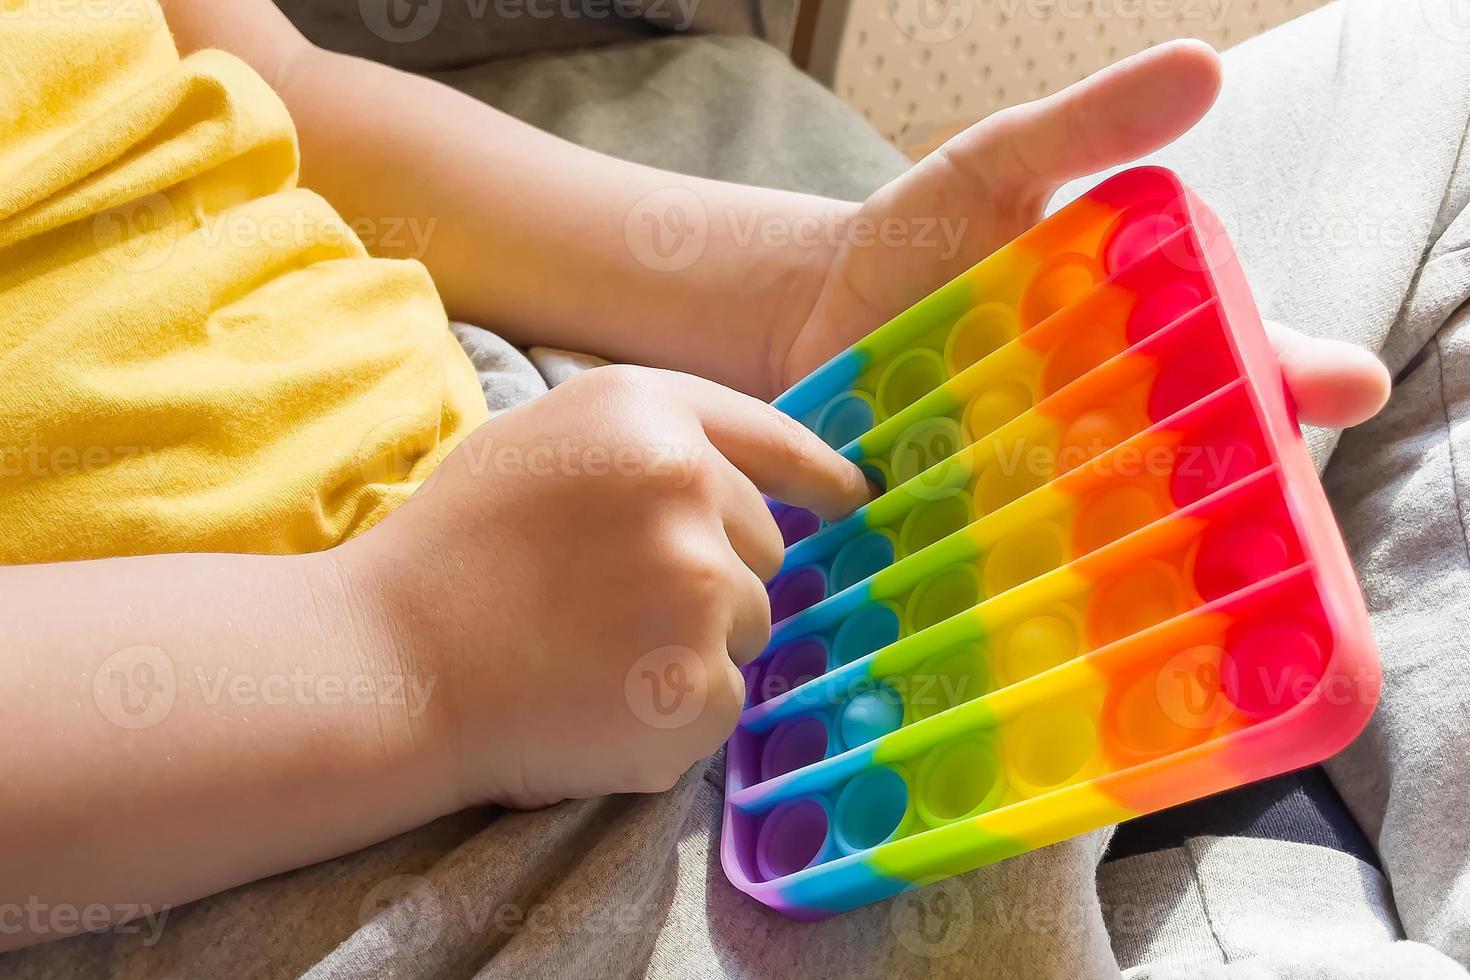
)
(551, 243)
(179, 724)
(545, 241)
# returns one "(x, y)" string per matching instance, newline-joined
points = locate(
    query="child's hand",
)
(997, 177)
(582, 576)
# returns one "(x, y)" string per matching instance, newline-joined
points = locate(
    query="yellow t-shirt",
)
(197, 355)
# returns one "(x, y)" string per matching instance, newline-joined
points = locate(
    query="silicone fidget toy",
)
(1103, 579)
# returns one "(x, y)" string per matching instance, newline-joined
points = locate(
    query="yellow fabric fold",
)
(196, 355)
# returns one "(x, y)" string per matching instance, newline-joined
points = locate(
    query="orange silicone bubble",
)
(1075, 358)
(1092, 433)
(1161, 709)
(1111, 513)
(1135, 599)
(1059, 282)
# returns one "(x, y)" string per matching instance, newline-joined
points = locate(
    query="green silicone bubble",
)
(911, 376)
(957, 780)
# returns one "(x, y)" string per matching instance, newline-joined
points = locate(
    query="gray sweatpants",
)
(1335, 161)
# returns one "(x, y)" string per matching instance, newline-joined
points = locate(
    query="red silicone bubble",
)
(1139, 231)
(1232, 557)
(1270, 667)
(1160, 307)
(1200, 470)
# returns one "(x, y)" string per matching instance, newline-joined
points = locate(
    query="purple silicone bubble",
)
(796, 524)
(792, 666)
(792, 837)
(795, 591)
(793, 745)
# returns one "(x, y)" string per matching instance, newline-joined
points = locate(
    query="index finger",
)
(778, 454)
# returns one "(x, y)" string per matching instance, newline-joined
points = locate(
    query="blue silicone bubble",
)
(870, 809)
(868, 629)
(847, 417)
(859, 558)
(869, 715)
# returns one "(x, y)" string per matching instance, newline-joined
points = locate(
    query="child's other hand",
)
(583, 575)
(997, 177)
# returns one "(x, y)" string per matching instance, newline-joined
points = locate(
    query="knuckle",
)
(707, 577)
(770, 552)
(659, 779)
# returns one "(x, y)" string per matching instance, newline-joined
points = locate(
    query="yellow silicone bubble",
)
(994, 407)
(1023, 555)
(1050, 745)
(952, 677)
(950, 591)
(1008, 479)
(923, 444)
(979, 332)
(929, 522)
(1038, 644)
(911, 376)
(958, 780)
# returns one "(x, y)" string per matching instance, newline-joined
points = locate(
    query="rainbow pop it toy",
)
(1103, 578)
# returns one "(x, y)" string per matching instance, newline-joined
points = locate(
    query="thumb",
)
(1113, 117)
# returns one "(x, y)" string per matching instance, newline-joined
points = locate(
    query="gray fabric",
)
(1227, 908)
(433, 35)
(1335, 161)
(506, 376)
(725, 107)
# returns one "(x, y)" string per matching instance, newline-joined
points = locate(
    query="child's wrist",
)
(406, 731)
